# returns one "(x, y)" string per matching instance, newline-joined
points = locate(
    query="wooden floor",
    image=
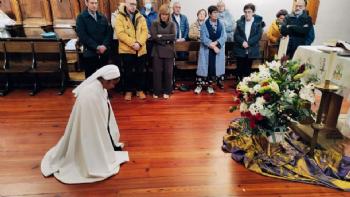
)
(174, 148)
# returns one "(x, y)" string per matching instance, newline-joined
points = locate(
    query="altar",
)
(340, 73)
(327, 65)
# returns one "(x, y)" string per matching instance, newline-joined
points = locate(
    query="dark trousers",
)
(244, 67)
(134, 72)
(91, 64)
(163, 75)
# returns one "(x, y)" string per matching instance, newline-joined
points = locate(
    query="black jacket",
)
(93, 33)
(253, 40)
(298, 29)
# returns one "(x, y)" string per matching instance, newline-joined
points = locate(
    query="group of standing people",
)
(90, 150)
(297, 25)
(148, 36)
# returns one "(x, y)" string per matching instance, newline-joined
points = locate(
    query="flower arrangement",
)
(280, 91)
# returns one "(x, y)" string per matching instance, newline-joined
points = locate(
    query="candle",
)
(331, 65)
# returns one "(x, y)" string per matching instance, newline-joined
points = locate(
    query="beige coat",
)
(195, 31)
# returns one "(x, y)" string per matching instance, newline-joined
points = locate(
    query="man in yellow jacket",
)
(131, 31)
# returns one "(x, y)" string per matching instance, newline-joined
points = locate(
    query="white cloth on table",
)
(85, 153)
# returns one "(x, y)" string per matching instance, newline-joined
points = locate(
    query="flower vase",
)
(274, 142)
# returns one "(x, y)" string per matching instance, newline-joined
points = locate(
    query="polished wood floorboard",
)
(174, 147)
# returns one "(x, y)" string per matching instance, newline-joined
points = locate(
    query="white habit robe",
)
(85, 153)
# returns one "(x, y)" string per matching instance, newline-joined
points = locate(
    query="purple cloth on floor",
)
(344, 167)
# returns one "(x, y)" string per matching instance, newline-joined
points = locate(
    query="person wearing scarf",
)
(89, 150)
(211, 61)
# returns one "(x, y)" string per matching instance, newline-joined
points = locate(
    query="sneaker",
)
(141, 94)
(210, 90)
(155, 96)
(166, 96)
(128, 96)
(198, 90)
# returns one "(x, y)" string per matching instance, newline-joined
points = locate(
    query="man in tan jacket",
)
(132, 33)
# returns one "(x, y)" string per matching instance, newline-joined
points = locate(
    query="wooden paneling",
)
(5, 6)
(312, 8)
(64, 11)
(35, 12)
(103, 7)
(82, 5)
(11, 8)
(114, 4)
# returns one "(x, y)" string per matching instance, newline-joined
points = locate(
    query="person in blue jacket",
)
(211, 61)
(148, 12)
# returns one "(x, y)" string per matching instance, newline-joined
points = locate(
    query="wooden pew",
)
(34, 58)
(50, 58)
(190, 46)
(19, 59)
(183, 66)
(230, 61)
(263, 43)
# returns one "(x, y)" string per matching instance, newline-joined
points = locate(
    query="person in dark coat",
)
(247, 35)
(163, 35)
(297, 26)
(95, 34)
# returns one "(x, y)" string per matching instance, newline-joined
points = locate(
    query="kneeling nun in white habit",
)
(89, 149)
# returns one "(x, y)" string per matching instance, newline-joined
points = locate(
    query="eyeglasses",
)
(248, 12)
(133, 4)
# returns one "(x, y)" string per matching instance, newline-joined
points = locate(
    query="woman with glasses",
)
(248, 33)
(195, 28)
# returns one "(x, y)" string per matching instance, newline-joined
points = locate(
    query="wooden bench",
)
(18, 59)
(32, 58)
(192, 47)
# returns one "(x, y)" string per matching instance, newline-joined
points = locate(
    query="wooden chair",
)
(230, 61)
(19, 59)
(50, 58)
(263, 48)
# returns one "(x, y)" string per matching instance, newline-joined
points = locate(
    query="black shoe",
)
(220, 84)
(118, 148)
(184, 88)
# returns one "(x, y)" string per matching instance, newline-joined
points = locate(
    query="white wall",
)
(332, 19)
